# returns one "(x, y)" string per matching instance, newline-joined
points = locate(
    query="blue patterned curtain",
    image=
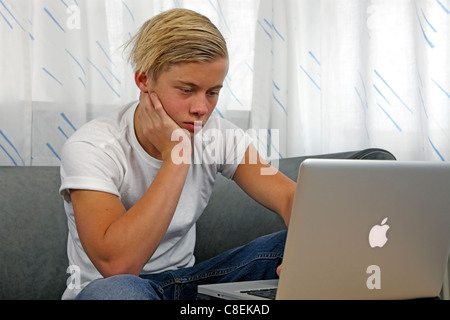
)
(62, 64)
(315, 76)
(336, 75)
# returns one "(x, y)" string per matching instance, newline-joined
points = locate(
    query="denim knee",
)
(121, 287)
(274, 242)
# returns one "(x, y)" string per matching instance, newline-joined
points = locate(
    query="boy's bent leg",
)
(258, 260)
(121, 287)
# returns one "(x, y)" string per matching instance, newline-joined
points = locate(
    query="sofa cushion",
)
(33, 234)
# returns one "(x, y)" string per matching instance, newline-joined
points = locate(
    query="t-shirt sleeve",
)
(85, 166)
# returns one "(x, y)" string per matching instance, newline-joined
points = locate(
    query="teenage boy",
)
(132, 196)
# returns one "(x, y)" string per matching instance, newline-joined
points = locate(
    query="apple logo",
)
(377, 235)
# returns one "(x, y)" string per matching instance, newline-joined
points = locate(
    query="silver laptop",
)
(361, 230)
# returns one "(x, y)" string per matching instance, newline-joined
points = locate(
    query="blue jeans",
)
(257, 260)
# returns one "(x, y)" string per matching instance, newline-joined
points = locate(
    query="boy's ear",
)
(142, 79)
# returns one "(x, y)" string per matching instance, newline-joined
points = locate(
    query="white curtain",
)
(62, 64)
(336, 75)
(315, 76)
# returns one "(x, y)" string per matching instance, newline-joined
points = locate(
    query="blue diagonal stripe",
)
(51, 75)
(54, 20)
(435, 149)
(249, 67)
(128, 9)
(310, 78)
(424, 34)
(232, 93)
(280, 104)
(267, 32)
(314, 57)
(422, 102)
(105, 53)
(443, 7)
(12, 146)
(76, 61)
(223, 16)
(275, 85)
(273, 146)
(274, 28)
(53, 151)
(68, 121)
(9, 156)
(389, 116)
(6, 20)
(104, 78)
(113, 75)
(219, 13)
(392, 90)
(17, 21)
(219, 113)
(427, 21)
(447, 94)
(359, 96)
(379, 92)
(62, 131)
(364, 87)
(82, 82)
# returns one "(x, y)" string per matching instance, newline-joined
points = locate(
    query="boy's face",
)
(189, 91)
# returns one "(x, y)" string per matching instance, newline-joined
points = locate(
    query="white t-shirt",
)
(105, 155)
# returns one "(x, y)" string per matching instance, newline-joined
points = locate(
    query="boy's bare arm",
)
(274, 191)
(119, 241)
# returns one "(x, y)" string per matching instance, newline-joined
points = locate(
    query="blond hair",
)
(175, 36)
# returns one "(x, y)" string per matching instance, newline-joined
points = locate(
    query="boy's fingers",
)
(155, 100)
(158, 107)
(279, 270)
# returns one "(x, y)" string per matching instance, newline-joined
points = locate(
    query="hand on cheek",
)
(158, 127)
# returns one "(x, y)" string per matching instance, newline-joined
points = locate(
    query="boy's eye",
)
(185, 90)
(189, 91)
(213, 93)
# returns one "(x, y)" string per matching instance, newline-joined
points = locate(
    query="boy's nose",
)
(199, 107)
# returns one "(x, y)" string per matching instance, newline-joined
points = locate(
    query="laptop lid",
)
(367, 230)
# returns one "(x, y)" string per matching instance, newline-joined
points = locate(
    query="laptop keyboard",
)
(263, 293)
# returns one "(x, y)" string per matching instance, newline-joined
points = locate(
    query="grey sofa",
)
(33, 225)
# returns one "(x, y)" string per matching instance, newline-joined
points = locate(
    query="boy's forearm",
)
(134, 237)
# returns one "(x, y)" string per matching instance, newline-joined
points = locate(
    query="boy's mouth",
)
(193, 126)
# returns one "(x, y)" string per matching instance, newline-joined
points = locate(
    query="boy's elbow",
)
(111, 269)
